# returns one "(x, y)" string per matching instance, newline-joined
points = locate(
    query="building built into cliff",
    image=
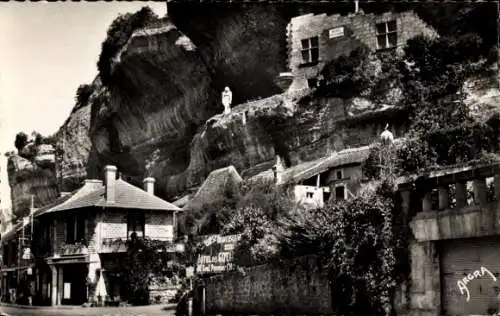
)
(315, 39)
(69, 252)
(335, 177)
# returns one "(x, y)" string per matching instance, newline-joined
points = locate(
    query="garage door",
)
(462, 257)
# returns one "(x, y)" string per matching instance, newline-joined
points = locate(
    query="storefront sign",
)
(336, 32)
(217, 255)
(26, 254)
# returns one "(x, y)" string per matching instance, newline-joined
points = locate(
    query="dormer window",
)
(310, 50)
(387, 35)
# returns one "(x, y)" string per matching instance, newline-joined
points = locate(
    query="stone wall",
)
(301, 287)
(424, 292)
(355, 30)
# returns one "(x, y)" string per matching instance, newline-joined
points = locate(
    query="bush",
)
(83, 94)
(359, 241)
(146, 259)
(346, 76)
(257, 228)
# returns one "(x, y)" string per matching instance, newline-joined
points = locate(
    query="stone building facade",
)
(335, 177)
(315, 39)
(454, 253)
(80, 239)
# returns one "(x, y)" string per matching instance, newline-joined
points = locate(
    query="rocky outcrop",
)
(159, 115)
(73, 140)
(29, 179)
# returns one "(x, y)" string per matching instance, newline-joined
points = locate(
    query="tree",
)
(21, 141)
(37, 137)
(258, 243)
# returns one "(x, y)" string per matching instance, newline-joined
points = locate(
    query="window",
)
(75, 229)
(339, 193)
(387, 35)
(326, 197)
(309, 195)
(339, 174)
(44, 240)
(312, 83)
(310, 50)
(135, 224)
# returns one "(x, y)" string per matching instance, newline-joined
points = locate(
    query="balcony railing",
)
(454, 203)
(110, 245)
(73, 249)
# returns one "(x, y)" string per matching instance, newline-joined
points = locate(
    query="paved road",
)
(154, 310)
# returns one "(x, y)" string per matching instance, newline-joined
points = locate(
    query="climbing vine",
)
(363, 245)
(147, 261)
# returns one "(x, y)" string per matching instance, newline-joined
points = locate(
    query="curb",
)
(164, 308)
(38, 307)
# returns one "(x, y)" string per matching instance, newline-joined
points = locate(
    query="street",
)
(151, 310)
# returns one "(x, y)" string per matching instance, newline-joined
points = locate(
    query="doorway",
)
(74, 284)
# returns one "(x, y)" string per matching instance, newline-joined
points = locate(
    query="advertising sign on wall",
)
(217, 254)
(336, 32)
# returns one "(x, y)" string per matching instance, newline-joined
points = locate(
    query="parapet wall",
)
(301, 287)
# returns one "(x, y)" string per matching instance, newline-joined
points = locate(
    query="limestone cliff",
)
(163, 117)
(45, 170)
(73, 140)
(33, 177)
(159, 114)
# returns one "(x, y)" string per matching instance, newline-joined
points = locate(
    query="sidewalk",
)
(13, 309)
(41, 307)
(165, 307)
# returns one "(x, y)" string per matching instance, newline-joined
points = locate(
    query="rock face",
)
(29, 178)
(160, 115)
(73, 141)
(45, 170)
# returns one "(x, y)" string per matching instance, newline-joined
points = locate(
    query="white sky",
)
(46, 51)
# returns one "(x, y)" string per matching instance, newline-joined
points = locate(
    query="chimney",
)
(110, 182)
(149, 185)
(356, 6)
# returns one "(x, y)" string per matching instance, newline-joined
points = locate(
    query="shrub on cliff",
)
(434, 76)
(118, 34)
(83, 94)
(21, 141)
(346, 76)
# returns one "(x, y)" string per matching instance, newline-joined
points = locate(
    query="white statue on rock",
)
(386, 136)
(278, 169)
(227, 98)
